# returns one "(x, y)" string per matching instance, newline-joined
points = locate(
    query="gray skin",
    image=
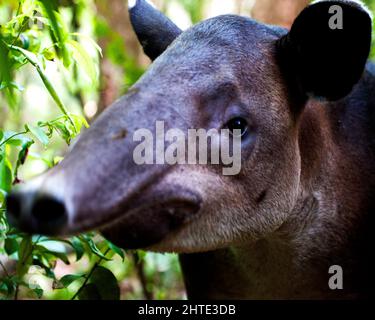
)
(304, 198)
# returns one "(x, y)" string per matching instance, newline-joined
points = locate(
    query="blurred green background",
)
(54, 77)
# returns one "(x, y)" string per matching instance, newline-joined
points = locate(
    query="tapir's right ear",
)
(154, 30)
(326, 50)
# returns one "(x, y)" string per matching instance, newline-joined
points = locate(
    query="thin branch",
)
(46, 82)
(12, 137)
(140, 267)
(23, 261)
(5, 269)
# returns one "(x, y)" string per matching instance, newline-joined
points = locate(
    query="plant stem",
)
(23, 262)
(139, 265)
(11, 137)
(46, 82)
(16, 292)
(5, 269)
(87, 278)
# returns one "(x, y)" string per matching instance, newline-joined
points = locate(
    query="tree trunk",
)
(115, 12)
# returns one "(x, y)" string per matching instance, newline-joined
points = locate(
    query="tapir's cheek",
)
(145, 228)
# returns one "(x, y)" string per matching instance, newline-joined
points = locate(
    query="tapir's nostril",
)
(36, 213)
(48, 214)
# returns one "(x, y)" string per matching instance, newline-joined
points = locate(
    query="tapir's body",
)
(303, 202)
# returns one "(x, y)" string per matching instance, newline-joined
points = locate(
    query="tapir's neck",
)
(293, 263)
(270, 269)
(330, 224)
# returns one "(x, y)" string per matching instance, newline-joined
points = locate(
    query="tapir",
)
(297, 221)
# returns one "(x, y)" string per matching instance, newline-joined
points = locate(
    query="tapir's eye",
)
(238, 123)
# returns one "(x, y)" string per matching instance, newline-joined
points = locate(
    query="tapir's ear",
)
(326, 50)
(154, 30)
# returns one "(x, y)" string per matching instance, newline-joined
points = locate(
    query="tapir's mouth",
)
(151, 222)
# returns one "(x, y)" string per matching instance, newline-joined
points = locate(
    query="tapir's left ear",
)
(326, 50)
(154, 30)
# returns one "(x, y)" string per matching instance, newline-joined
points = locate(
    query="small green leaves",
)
(48, 54)
(58, 30)
(37, 36)
(6, 175)
(8, 285)
(116, 250)
(6, 72)
(2, 199)
(31, 58)
(84, 60)
(78, 248)
(66, 281)
(38, 291)
(51, 254)
(92, 247)
(11, 246)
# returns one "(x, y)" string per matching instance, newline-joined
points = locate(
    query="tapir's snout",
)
(36, 213)
(144, 222)
(153, 218)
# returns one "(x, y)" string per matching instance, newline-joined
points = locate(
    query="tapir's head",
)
(228, 72)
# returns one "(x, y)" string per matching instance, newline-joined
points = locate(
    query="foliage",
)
(45, 47)
(371, 6)
(36, 35)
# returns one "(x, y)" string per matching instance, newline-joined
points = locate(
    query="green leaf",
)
(78, 248)
(103, 286)
(24, 151)
(106, 283)
(2, 198)
(89, 292)
(38, 291)
(94, 249)
(79, 122)
(62, 256)
(5, 69)
(63, 131)
(22, 155)
(1, 135)
(13, 85)
(58, 28)
(83, 60)
(116, 249)
(6, 176)
(67, 280)
(6, 72)
(48, 254)
(16, 139)
(11, 246)
(8, 285)
(92, 42)
(38, 133)
(48, 54)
